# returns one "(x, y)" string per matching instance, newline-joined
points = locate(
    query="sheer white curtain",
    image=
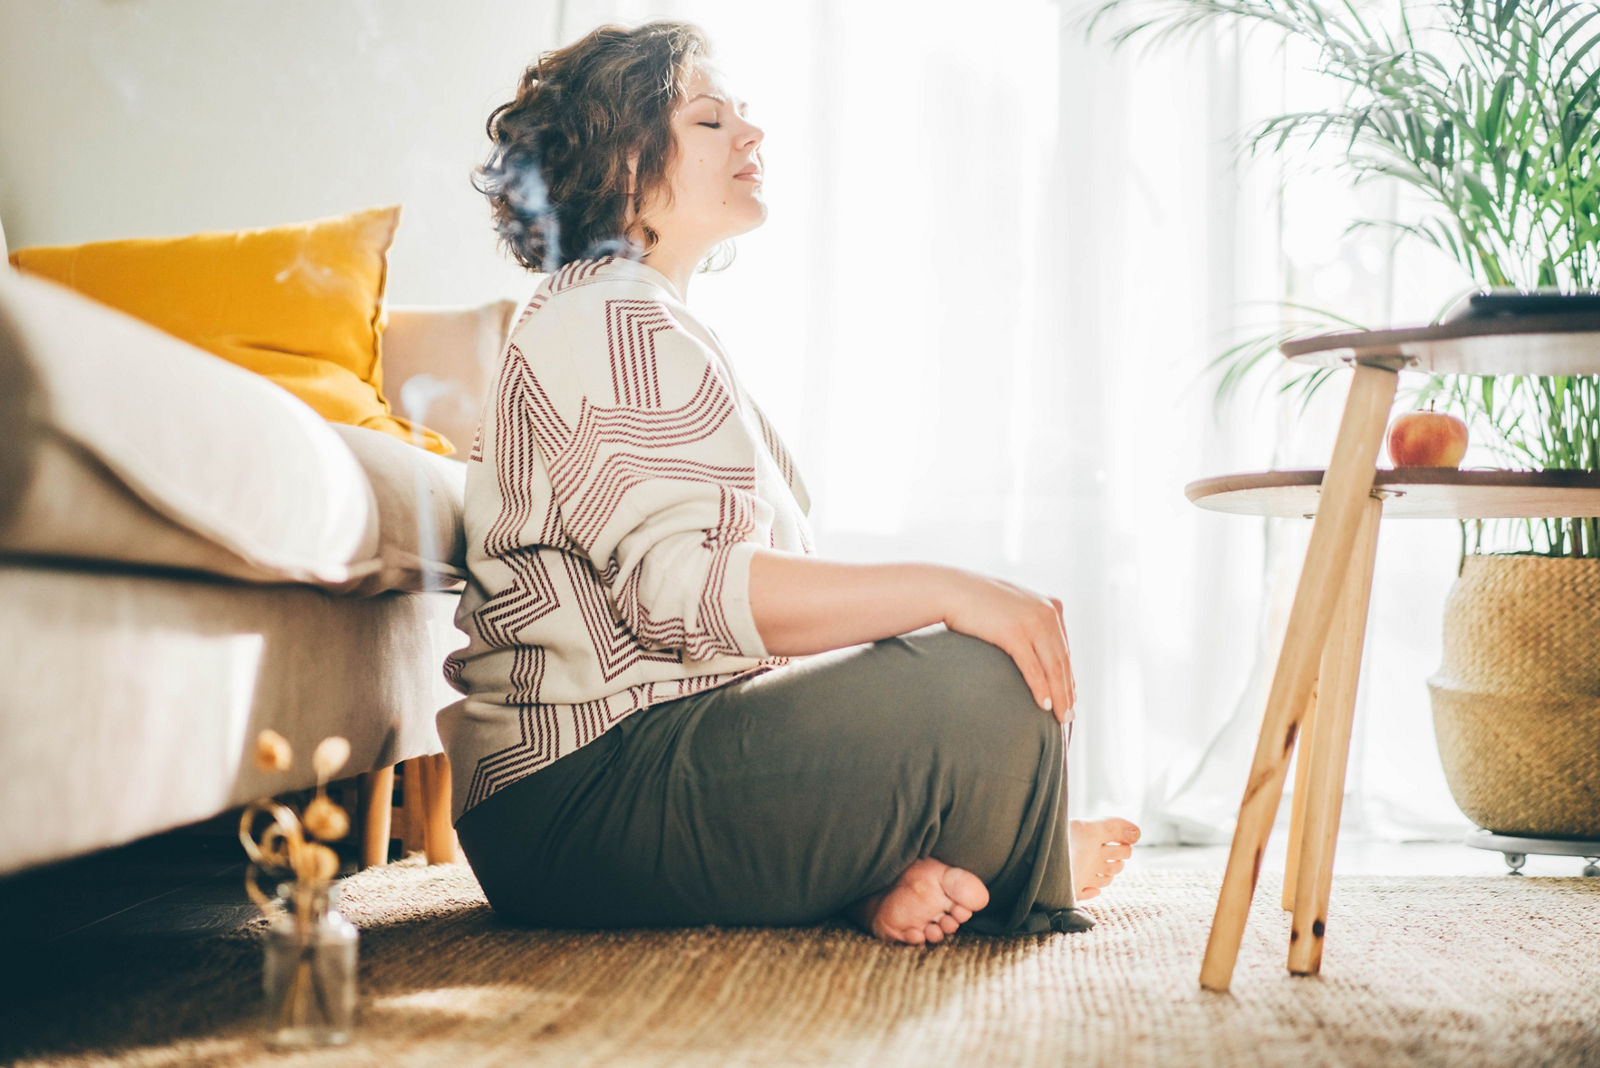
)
(997, 262)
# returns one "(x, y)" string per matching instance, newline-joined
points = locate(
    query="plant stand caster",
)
(1516, 849)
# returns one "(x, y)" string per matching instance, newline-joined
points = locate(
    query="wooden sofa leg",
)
(438, 837)
(377, 800)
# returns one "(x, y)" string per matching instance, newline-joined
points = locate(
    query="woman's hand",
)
(1030, 628)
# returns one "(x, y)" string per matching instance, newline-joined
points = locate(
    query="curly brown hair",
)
(557, 175)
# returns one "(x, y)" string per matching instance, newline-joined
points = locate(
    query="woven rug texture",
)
(1425, 971)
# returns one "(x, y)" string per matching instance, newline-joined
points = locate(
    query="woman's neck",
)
(676, 263)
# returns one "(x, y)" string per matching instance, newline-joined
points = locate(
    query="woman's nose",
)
(753, 134)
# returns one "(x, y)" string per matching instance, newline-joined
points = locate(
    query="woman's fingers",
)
(1026, 656)
(1057, 676)
(1058, 652)
(1046, 671)
(1066, 653)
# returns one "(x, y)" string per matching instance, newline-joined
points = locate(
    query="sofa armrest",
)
(438, 363)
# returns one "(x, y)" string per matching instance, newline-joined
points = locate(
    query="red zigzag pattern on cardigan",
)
(590, 475)
(571, 274)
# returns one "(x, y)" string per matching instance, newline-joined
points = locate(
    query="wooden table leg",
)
(1341, 670)
(1297, 810)
(1346, 487)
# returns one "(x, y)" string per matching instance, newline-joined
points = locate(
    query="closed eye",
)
(712, 125)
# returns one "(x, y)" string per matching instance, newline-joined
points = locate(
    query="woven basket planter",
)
(1516, 702)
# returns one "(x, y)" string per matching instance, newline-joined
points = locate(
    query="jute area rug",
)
(1432, 971)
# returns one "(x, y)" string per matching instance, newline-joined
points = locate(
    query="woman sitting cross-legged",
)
(675, 713)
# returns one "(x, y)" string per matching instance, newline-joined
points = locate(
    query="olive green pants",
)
(784, 797)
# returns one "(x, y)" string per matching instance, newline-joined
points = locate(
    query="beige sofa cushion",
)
(422, 544)
(124, 444)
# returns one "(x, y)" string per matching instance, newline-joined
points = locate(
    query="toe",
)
(961, 913)
(964, 888)
(1086, 892)
(948, 923)
(932, 932)
(1124, 831)
(1116, 851)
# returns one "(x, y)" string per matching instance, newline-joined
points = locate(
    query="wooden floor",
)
(178, 885)
(183, 884)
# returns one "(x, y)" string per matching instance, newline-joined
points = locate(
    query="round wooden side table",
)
(1318, 664)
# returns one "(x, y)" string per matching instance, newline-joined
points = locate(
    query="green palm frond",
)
(1490, 110)
(1254, 356)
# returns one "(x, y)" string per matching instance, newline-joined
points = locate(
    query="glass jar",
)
(309, 970)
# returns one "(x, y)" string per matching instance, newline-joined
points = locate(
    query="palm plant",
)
(1488, 109)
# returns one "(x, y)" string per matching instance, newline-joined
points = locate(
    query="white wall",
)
(125, 118)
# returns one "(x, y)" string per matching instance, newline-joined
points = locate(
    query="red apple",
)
(1427, 439)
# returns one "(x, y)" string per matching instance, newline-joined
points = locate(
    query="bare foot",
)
(1098, 849)
(929, 900)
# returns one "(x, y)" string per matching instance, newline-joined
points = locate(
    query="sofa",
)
(190, 554)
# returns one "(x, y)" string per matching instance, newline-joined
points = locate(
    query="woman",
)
(676, 713)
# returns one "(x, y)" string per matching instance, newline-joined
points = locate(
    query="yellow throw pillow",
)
(300, 304)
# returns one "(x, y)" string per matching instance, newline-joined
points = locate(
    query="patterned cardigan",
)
(618, 485)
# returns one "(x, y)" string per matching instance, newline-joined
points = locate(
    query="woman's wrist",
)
(948, 587)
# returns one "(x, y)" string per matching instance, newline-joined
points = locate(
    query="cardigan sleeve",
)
(656, 483)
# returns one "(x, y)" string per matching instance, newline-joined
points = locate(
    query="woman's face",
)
(717, 173)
